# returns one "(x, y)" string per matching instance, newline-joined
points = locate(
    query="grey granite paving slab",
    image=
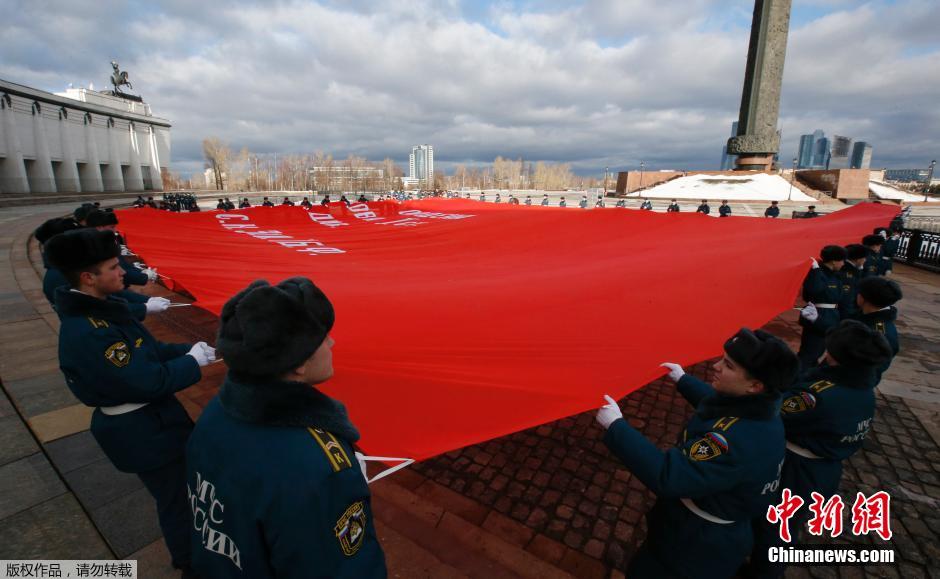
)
(55, 529)
(129, 523)
(27, 482)
(75, 451)
(99, 483)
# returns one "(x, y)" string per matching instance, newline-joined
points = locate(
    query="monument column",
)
(90, 173)
(757, 140)
(13, 176)
(41, 178)
(134, 181)
(68, 170)
(156, 175)
(113, 176)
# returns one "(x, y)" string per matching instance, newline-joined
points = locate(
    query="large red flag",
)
(459, 321)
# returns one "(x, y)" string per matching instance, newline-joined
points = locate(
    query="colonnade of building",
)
(53, 144)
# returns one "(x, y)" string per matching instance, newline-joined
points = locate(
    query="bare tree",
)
(217, 156)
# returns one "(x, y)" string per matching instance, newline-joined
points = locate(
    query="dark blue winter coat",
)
(275, 488)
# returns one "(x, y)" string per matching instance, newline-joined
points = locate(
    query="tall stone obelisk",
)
(757, 140)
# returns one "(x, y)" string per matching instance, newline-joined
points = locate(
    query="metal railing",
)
(919, 248)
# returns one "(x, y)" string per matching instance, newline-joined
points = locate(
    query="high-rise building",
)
(814, 151)
(727, 161)
(861, 155)
(821, 154)
(841, 149)
(421, 165)
(804, 159)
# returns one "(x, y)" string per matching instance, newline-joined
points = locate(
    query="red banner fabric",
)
(459, 321)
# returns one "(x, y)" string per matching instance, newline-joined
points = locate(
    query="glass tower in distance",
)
(421, 165)
(861, 155)
(727, 161)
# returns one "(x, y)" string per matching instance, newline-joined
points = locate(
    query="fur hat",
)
(53, 227)
(832, 253)
(765, 357)
(98, 218)
(80, 248)
(266, 331)
(873, 239)
(855, 345)
(855, 251)
(82, 211)
(880, 291)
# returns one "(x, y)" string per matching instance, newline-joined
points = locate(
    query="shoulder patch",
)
(708, 447)
(822, 386)
(725, 422)
(880, 327)
(335, 453)
(350, 529)
(118, 354)
(95, 323)
(799, 403)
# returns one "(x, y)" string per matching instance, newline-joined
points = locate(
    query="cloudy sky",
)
(594, 83)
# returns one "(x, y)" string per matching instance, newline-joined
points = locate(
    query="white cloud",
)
(597, 83)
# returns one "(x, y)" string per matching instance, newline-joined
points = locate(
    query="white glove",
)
(887, 272)
(883, 234)
(155, 305)
(361, 459)
(150, 272)
(203, 353)
(815, 263)
(810, 312)
(675, 371)
(608, 413)
(124, 250)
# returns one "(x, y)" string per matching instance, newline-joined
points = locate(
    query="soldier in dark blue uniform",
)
(528, 200)
(545, 200)
(53, 279)
(245, 203)
(822, 291)
(724, 210)
(889, 250)
(647, 205)
(723, 470)
(583, 202)
(107, 220)
(111, 362)
(773, 211)
(873, 266)
(853, 270)
(81, 213)
(287, 202)
(275, 487)
(673, 207)
(267, 202)
(876, 299)
(827, 416)
(562, 203)
(704, 208)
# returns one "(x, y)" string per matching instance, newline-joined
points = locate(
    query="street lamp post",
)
(641, 175)
(605, 181)
(929, 179)
(792, 177)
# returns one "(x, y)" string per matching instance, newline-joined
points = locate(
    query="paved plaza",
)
(545, 502)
